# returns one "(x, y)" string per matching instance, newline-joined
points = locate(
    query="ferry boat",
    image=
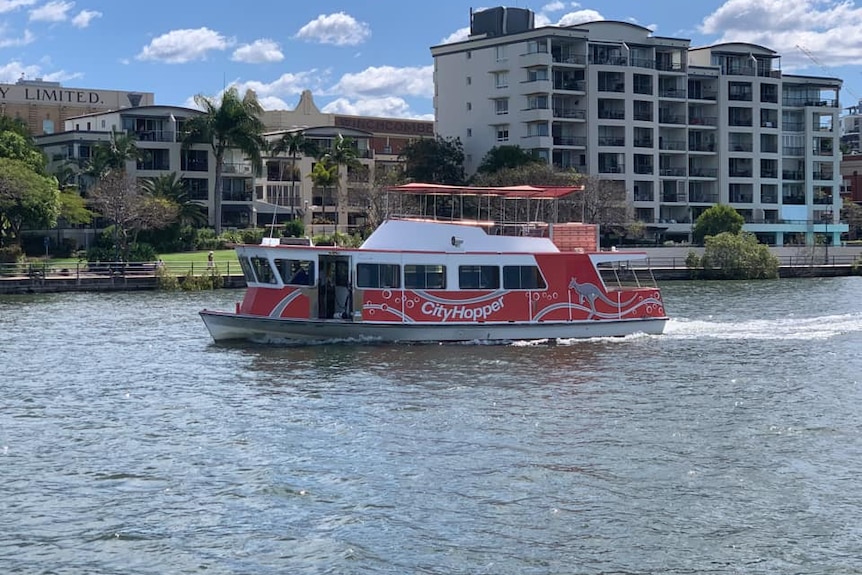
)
(429, 281)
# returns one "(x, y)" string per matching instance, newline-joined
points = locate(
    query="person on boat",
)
(300, 276)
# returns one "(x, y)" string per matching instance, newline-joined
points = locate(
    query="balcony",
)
(236, 168)
(609, 60)
(793, 151)
(570, 113)
(698, 172)
(643, 169)
(703, 197)
(795, 175)
(701, 147)
(155, 136)
(613, 141)
(611, 114)
(825, 176)
(570, 141)
(740, 172)
(671, 145)
(670, 118)
(672, 93)
(569, 58)
(672, 172)
(571, 85)
(703, 120)
(643, 143)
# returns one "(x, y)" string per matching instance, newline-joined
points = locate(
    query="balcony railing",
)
(698, 172)
(610, 114)
(677, 145)
(612, 141)
(579, 141)
(570, 113)
(672, 172)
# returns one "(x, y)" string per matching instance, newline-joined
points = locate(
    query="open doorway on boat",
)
(335, 293)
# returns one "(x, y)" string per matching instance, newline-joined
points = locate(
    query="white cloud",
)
(272, 95)
(55, 11)
(387, 81)
(84, 17)
(553, 6)
(12, 5)
(829, 29)
(180, 46)
(339, 28)
(389, 107)
(259, 51)
(579, 17)
(13, 71)
(273, 103)
(6, 42)
(458, 35)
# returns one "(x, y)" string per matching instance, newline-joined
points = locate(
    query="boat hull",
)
(225, 326)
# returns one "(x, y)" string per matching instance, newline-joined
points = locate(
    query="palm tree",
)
(342, 153)
(325, 175)
(293, 144)
(112, 156)
(233, 123)
(172, 188)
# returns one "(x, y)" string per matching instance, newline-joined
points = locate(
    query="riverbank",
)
(58, 281)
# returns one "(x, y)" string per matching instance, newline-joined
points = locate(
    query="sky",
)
(365, 57)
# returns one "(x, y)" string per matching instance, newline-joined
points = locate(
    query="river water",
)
(130, 443)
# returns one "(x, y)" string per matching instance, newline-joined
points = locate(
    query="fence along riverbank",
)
(111, 276)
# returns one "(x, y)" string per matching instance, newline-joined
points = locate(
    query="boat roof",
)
(514, 192)
(419, 235)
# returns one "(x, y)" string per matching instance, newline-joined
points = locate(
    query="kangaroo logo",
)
(589, 293)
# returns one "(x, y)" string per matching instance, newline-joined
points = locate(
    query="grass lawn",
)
(179, 258)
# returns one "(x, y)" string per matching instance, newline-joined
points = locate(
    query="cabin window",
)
(425, 277)
(247, 270)
(296, 272)
(378, 276)
(263, 270)
(479, 277)
(523, 277)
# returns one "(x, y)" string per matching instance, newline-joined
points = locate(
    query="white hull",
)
(229, 326)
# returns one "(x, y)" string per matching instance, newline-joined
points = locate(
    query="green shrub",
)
(209, 280)
(738, 256)
(251, 235)
(166, 280)
(293, 229)
(141, 252)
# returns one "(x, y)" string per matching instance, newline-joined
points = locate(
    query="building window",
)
(154, 160)
(469, 106)
(469, 132)
(502, 133)
(469, 80)
(469, 54)
(194, 161)
(501, 106)
(501, 80)
(500, 52)
(196, 188)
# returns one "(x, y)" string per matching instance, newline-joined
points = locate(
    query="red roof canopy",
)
(531, 192)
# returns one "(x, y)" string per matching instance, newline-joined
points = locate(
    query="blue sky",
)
(368, 57)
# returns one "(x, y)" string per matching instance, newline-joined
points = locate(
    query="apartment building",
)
(279, 192)
(284, 191)
(680, 127)
(157, 131)
(45, 106)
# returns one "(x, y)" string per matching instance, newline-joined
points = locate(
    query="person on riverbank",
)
(210, 260)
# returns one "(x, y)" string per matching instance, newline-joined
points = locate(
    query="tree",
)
(111, 156)
(233, 123)
(171, 187)
(122, 202)
(851, 212)
(502, 157)
(324, 175)
(435, 161)
(603, 202)
(715, 220)
(293, 144)
(73, 208)
(26, 198)
(342, 153)
(731, 255)
(15, 146)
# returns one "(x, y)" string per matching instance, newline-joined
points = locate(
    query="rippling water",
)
(129, 443)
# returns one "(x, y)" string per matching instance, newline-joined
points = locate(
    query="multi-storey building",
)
(680, 128)
(158, 131)
(284, 193)
(45, 106)
(278, 193)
